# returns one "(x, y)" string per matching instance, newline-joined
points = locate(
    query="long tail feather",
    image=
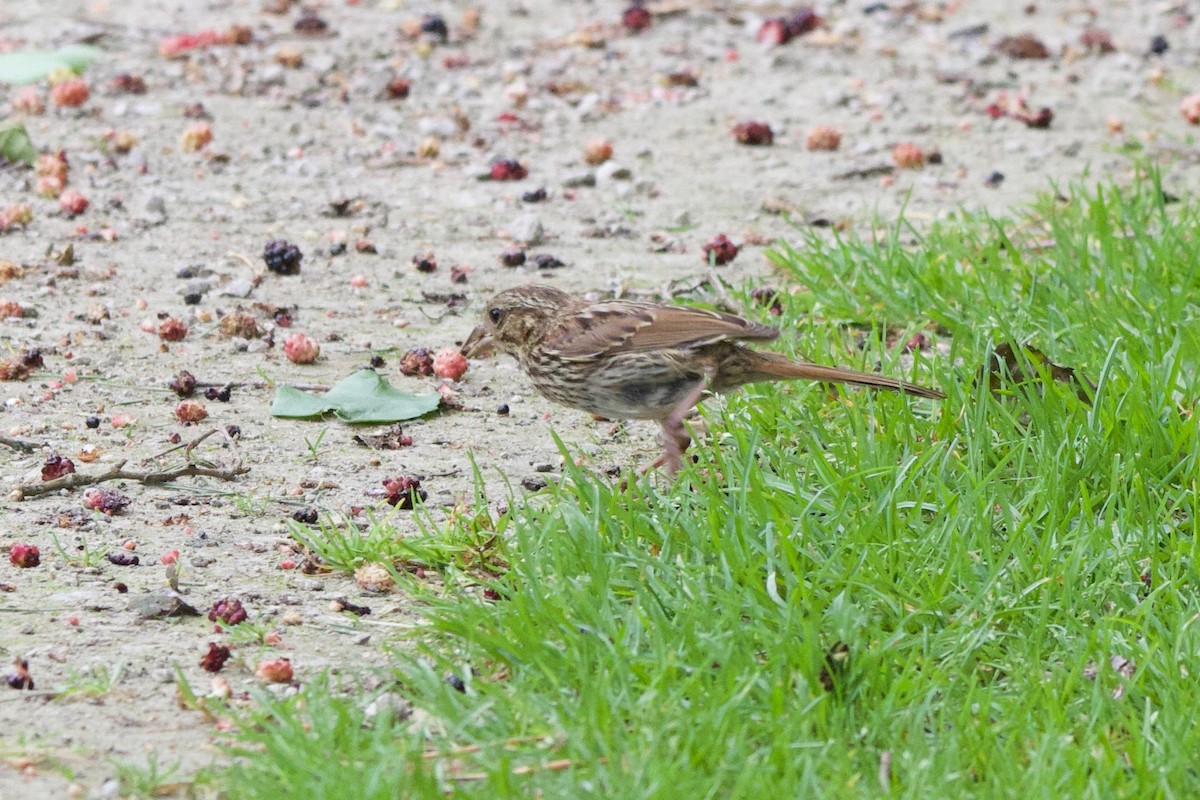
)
(774, 367)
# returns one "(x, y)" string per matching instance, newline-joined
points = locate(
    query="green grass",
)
(995, 594)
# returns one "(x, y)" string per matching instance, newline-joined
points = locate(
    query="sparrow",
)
(624, 359)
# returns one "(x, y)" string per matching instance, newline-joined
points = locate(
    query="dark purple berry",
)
(547, 261)
(92, 422)
(306, 516)
(282, 257)
(512, 258)
(536, 196)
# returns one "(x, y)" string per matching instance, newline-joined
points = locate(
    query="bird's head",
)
(517, 318)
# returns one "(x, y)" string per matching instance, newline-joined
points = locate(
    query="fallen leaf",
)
(361, 397)
(1022, 363)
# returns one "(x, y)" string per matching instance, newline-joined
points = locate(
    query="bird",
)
(626, 359)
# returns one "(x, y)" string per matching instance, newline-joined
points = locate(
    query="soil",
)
(320, 155)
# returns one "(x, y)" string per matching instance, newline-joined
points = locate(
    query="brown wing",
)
(626, 327)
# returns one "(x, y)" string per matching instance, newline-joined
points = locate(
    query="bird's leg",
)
(675, 438)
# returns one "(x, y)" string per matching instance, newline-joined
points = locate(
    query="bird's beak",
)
(479, 343)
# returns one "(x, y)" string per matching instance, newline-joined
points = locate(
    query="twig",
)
(20, 444)
(75, 480)
(304, 387)
(557, 765)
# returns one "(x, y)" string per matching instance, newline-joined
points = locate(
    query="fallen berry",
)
(719, 250)
(169, 557)
(435, 26)
(754, 134)
(239, 324)
(372, 577)
(1097, 40)
(403, 492)
(773, 32)
(52, 164)
(274, 670)
(767, 297)
(282, 257)
(449, 363)
(547, 261)
(228, 610)
(417, 361)
(397, 89)
(459, 273)
(125, 83)
(508, 170)
(18, 677)
(49, 186)
(73, 202)
(189, 412)
(636, 18)
(122, 559)
(56, 466)
(196, 137)
(69, 93)
(597, 151)
(172, 330)
(29, 100)
(512, 258)
(107, 501)
(180, 43)
(1025, 46)
(1190, 108)
(214, 660)
(425, 262)
(536, 196)
(908, 156)
(183, 384)
(823, 137)
(301, 349)
(802, 21)
(306, 516)
(24, 555)
(11, 309)
(92, 422)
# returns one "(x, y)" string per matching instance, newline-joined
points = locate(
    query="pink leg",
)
(675, 436)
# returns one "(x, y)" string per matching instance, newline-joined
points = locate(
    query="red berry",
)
(71, 92)
(106, 500)
(215, 658)
(172, 329)
(56, 466)
(73, 202)
(636, 18)
(404, 491)
(756, 134)
(228, 610)
(449, 363)
(508, 170)
(190, 412)
(274, 670)
(301, 349)
(719, 250)
(24, 555)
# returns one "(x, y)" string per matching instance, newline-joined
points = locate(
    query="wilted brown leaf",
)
(1014, 365)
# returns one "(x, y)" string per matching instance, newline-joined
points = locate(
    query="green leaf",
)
(362, 396)
(15, 144)
(28, 66)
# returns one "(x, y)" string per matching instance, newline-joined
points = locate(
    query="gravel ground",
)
(313, 143)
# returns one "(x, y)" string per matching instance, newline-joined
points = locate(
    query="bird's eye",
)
(495, 315)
